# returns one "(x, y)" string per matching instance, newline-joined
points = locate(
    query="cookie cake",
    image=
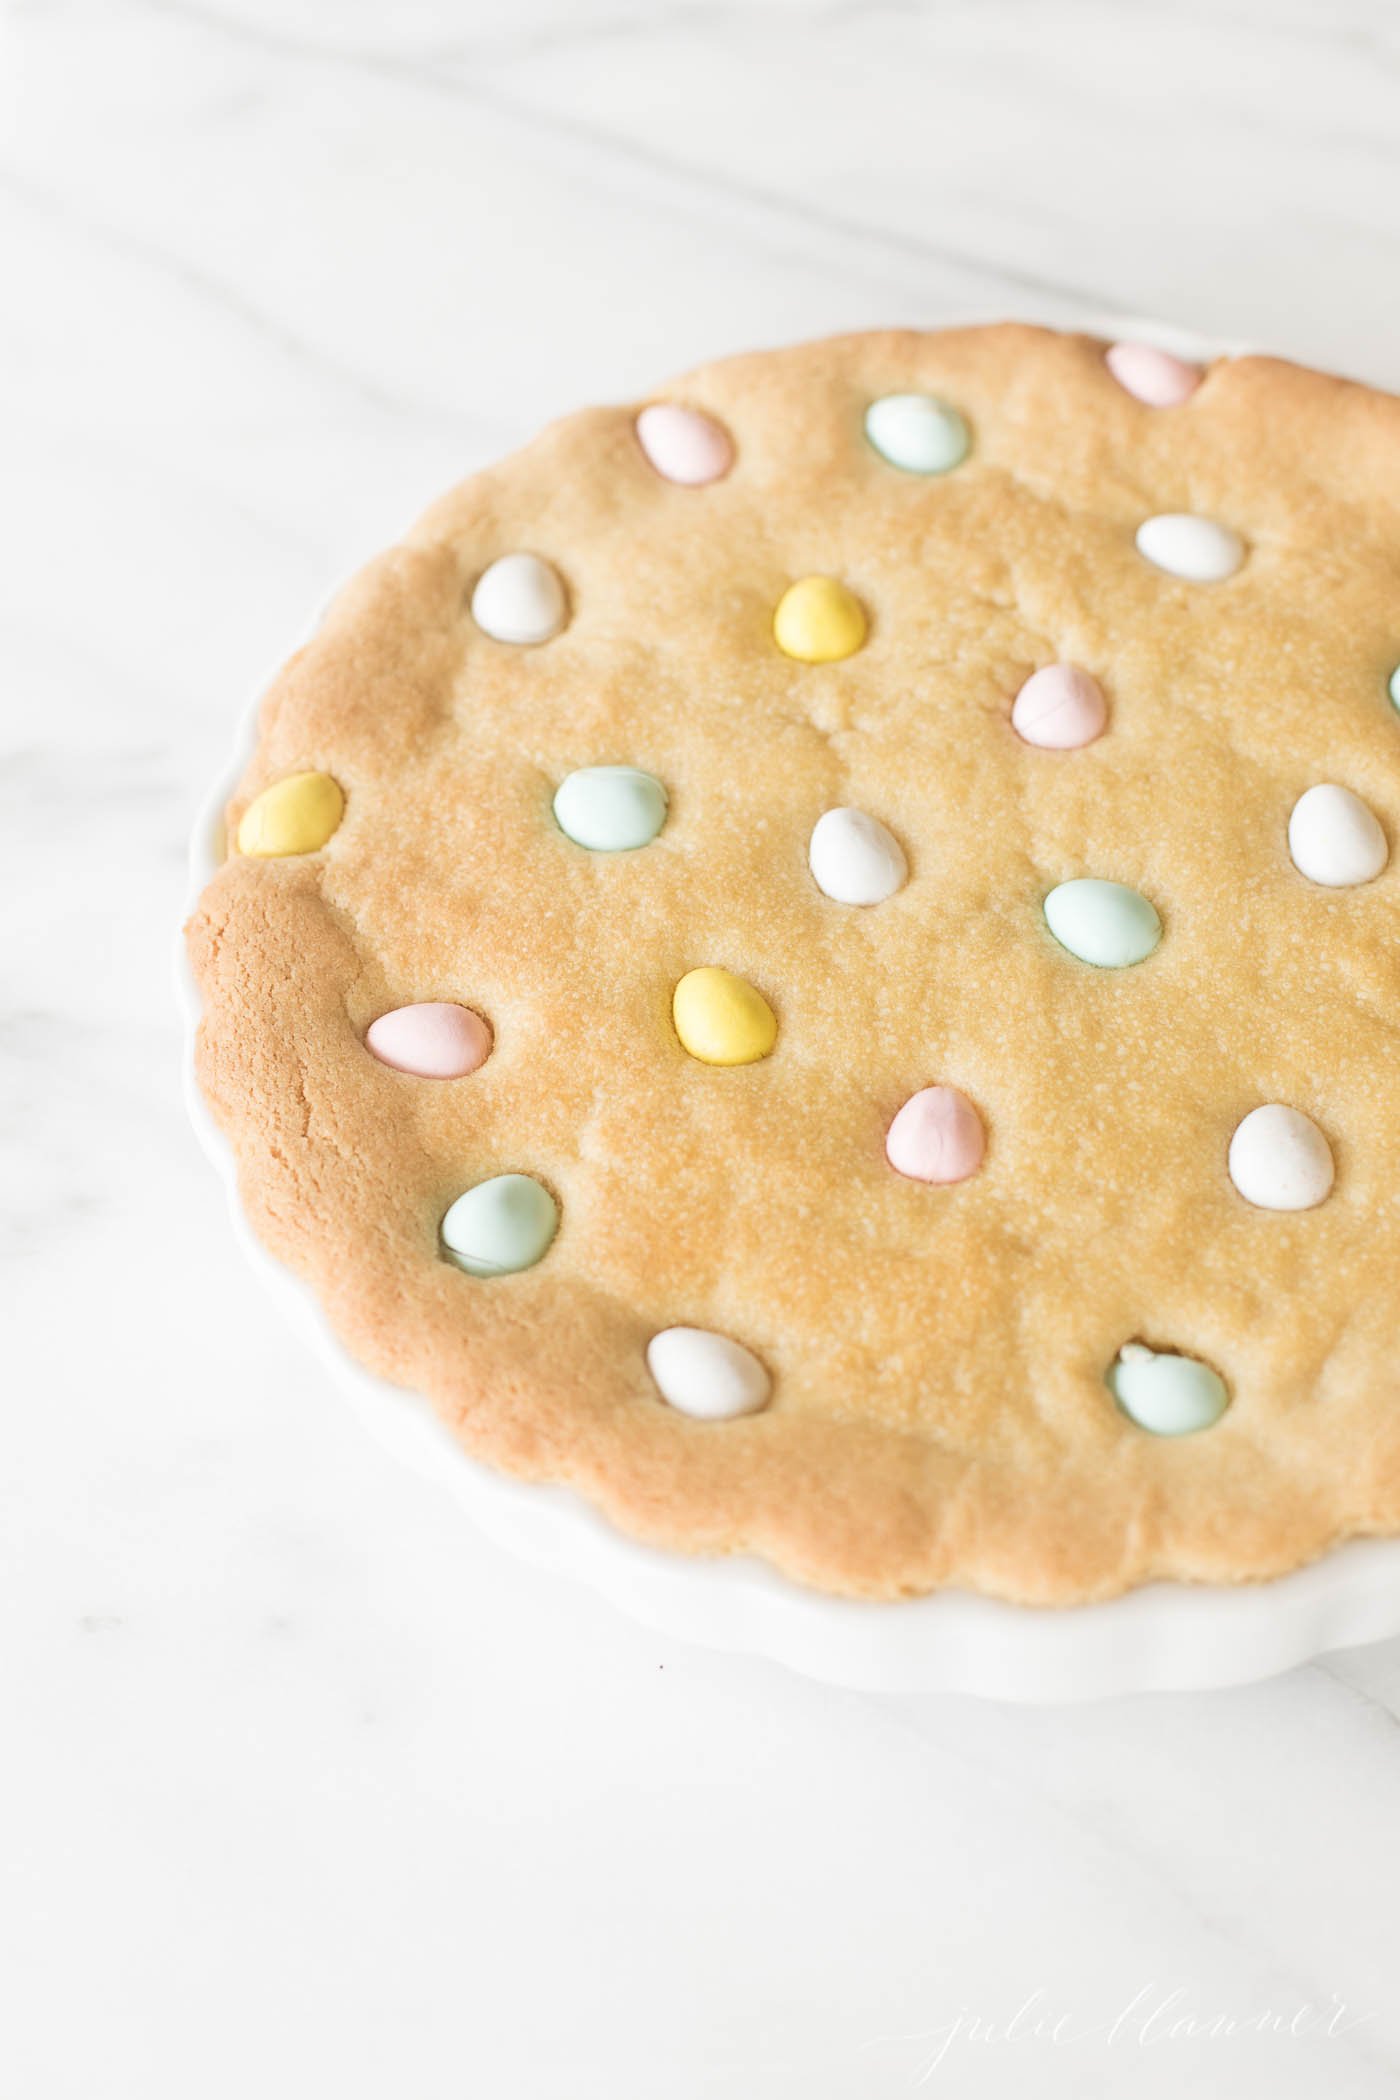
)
(819, 959)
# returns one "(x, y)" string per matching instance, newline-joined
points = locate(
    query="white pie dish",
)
(1161, 1637)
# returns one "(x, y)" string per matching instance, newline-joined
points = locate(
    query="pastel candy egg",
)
(1060, 708)
(707, 1375)
(1103, 923)
(721, 1019)
(500, 1225)
(1395, 686)
(610, 809)
(1153, 376)
(683, 445)
(854, 859)
(1335, 839)
(432, 1040)
(520, 598)
(819, 621)
(1199, 550)
(295, 815)
(1280, 1160)
(937, 1137)
(916, 432)
(1169, 1395)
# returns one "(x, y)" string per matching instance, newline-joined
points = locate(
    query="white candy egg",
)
(1280, 1160)
(520, 598)
(854, 859)
(1335, 839)
(707, 1375)
(1197, 549)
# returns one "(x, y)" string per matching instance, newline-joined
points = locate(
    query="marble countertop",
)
(306, 1788)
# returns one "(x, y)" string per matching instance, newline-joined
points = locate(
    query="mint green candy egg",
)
(610, 809)
(1103, 923)
(917, 433)
(500, 1226)
(1395, 685)
(1169, 1395)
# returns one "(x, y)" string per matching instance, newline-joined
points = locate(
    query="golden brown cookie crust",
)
(939, 1414)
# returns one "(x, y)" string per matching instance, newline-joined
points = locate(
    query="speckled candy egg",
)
(432, 1040)
(500, 1226)
(1166, 1393)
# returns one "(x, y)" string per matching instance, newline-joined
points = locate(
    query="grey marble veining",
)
(305, 1788)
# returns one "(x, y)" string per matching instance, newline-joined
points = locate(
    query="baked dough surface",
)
(939, 1412)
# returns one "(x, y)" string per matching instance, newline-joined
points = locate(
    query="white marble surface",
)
(303, 1787)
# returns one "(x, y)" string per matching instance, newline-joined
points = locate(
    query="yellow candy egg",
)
(295, 815)
(819, 621)
(721, 1019)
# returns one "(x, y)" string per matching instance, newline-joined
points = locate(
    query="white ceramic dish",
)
(1166, 1637)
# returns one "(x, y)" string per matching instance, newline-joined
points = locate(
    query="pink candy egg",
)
(683, 445)
(1060, 708)
(1152, 375)
(435, 1040)
(937, 1136)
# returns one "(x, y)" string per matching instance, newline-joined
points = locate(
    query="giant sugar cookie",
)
(820, 960)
